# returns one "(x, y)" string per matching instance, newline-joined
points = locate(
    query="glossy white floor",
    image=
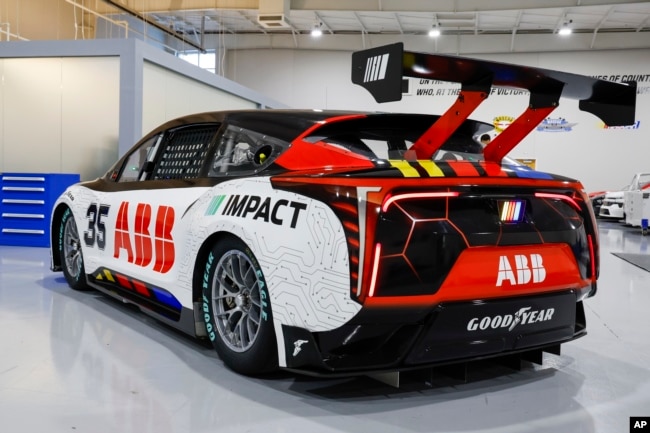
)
(75, 362)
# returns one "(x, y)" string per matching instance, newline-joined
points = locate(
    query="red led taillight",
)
(565, 198)
(592, 256)
(416, 195)
(375, 270)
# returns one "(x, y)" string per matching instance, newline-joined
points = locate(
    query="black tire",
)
(237, 309)
(72, 261)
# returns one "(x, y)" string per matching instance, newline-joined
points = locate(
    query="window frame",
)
(154, 144)
(261, 143)
(169, 140)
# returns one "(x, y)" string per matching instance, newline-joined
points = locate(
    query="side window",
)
(136, 161)
(184, 152)
(240, 151)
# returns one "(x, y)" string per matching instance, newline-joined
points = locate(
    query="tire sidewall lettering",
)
(64, 219)
(261, 356)
(207, 306)
(264, 295)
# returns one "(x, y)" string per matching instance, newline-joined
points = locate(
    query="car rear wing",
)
(380, 71)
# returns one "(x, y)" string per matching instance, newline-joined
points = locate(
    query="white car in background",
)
(614, 202)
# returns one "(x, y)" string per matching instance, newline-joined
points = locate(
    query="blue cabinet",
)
(26, 201)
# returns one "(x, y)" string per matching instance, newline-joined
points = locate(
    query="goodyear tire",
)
(237, 309)
(72, 261)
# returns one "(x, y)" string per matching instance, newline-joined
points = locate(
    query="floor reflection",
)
(75, 361)
(616, 236)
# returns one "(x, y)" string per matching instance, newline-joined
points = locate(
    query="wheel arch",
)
(57, 216)
(202, 255)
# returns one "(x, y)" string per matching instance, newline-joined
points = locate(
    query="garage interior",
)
(77, 361)
(82, 362)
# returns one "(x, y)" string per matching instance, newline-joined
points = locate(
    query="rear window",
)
(240, 151)
(382, 137)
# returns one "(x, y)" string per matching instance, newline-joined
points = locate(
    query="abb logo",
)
(526, 270)
(140, 246)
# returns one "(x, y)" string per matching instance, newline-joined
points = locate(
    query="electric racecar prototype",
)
(346, 242)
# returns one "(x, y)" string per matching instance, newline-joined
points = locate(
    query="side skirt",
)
(186, 323)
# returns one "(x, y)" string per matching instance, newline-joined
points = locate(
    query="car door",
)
(137, 223)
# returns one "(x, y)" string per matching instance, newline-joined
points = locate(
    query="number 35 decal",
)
(96, 229)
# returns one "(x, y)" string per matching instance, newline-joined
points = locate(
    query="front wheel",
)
(72, 260)
(237, 308)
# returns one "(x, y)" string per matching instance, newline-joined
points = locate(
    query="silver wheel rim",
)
(236, 301)
(72, 248)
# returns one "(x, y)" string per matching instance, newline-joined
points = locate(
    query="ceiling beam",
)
(457, 44)
(323, 23)
(643, 24)
(446, 6)
(153, 23)
(514, 30)
(440, 6)
(599, 25)
(399, 23)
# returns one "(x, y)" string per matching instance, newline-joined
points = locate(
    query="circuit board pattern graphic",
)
(306, 267)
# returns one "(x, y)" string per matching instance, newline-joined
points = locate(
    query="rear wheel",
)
(237, 308)
(72, 260)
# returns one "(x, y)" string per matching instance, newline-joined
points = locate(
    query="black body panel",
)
(449, 333)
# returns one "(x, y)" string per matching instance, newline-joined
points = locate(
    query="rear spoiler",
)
(380, 71)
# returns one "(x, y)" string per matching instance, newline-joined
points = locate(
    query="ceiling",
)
(512, 25)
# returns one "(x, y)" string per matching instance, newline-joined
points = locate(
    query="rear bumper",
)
(384, 339)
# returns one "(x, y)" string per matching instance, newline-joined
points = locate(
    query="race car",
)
(340, 243)
(597, 198)
(613, 202)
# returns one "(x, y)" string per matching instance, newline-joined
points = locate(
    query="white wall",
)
(59, 115)
(76, 106)
(167, 95)
(601, 159)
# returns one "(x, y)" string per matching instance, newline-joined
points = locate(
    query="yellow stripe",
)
(109, 276)
(431, 168)
(404, 167)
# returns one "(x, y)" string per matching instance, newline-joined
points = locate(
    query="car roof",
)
(282, 123)
(287, 124)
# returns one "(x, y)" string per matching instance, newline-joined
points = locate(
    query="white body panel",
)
(637, 205)
(299, 243)
(614, 201)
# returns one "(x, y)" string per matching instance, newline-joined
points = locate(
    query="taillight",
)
(375, 270)
(563, 197)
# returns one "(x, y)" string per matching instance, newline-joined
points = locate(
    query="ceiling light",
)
(565, 30)
(434, 32)
(317, 31)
